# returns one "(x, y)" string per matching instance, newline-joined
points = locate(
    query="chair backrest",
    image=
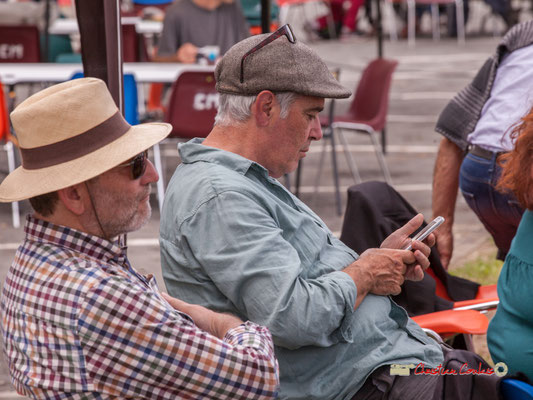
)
(131, 99)
(133, 45)
(19, 43)
(371, 100)
(193, 104)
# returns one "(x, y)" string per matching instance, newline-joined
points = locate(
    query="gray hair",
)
(235, 109)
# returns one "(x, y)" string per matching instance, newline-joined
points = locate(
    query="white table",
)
(14, 73)
(67, 26)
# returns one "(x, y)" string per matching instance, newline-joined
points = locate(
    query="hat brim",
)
(23, 183)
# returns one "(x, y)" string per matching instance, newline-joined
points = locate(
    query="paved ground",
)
(428, 75)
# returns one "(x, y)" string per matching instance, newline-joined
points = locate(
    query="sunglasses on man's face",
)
(138, 165)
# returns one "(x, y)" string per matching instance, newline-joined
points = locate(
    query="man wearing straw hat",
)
(232, 237)
(78, 321)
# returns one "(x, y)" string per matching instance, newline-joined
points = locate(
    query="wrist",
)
(361, 276)
(227, 322)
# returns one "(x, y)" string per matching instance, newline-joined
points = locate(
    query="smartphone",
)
(424, 233)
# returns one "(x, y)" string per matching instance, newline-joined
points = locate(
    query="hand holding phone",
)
(424, 233)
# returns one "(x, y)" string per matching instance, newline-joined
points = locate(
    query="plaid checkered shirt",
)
(79, 322)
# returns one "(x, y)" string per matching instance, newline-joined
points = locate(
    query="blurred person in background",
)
(192, 24)
(476, 125)
(344, 14)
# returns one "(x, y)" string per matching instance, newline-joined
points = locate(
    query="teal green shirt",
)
(234, 239)
(510, 333)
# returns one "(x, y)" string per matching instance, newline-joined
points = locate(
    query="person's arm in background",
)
(444, 197)
(187, 53)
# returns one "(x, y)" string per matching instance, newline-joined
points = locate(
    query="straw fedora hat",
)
(69, 133)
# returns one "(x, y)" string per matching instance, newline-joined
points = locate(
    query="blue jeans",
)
(499, 213)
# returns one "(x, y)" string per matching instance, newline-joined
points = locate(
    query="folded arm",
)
(137, 345)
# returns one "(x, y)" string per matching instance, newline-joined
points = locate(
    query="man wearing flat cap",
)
(235, 239)
(78, 321)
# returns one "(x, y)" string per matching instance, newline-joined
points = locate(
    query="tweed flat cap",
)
(279, 66)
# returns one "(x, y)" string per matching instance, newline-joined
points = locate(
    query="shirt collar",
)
(37, 230)
(194, 151)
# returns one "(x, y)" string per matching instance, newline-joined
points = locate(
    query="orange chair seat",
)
(454, 321)
(484, 294)
(487, 292)
(464, 303)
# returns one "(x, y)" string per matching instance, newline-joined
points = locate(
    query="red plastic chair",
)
(368, 112)
(467, 316)
(193, 105)
(446, 325)
(19, 43)
(191, 112)
(486, 295)
(452, 322)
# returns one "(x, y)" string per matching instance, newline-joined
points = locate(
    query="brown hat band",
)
(76, 146)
